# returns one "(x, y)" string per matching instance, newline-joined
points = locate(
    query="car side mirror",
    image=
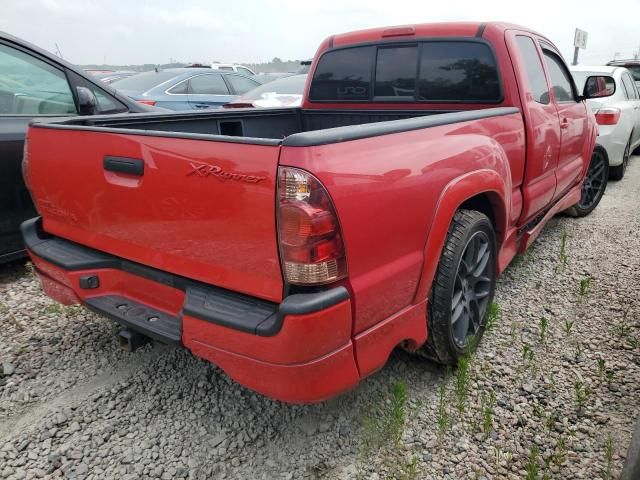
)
(87, 101)
(599, 86)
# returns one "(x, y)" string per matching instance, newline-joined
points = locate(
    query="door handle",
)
(201, 105)
(564, 123)
(132, 166)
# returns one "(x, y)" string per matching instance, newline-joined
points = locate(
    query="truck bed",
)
(292, 126)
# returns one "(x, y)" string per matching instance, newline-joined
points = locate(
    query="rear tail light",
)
(399, 32)
(608, 116)
(310, 239)
(147, 102)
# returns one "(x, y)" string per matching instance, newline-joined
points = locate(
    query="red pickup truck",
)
(296, 248)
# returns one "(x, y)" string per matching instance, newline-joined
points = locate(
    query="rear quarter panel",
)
(386, 190)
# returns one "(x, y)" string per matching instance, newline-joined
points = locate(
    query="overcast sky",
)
(145, 31)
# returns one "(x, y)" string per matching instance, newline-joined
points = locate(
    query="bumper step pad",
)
(158, 325)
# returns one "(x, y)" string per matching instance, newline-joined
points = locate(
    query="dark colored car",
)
(35, 83)
(190, 88)
(632, 65)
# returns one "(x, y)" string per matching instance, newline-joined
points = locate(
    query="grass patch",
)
(532, 465)
(382, 432)
(563, 257)
(582, 393)
(544, 327)
(492, 316)
(443, 415)
(463, 378)
(585, 285)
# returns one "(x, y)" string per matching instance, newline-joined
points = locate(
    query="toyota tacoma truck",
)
(295, 248)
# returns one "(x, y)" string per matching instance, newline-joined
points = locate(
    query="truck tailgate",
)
(197, 208)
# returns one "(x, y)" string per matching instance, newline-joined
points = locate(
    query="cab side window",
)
(533, 66)
(29, 86)
(560, 77)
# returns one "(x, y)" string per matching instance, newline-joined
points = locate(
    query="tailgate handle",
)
(132, 166)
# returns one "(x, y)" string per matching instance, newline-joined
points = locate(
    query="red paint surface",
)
(172, 218)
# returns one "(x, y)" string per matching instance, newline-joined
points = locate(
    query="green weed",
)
(443, 416)
(492, 316)
(544, 326)
(582, 394)
(463, 374)
(585, 285)
(564, 258)
(532, 465)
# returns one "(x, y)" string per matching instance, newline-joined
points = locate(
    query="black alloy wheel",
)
(462, 289)
(594, 185)
(471, 291)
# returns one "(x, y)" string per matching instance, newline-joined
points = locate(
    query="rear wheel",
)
(617, 172)
(594, 185)
(462, 289)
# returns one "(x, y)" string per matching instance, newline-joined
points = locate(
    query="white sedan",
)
(618, 116)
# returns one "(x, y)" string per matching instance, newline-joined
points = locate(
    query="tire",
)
(594, 185)
(631, 469)
(466, 275)
(617, 172)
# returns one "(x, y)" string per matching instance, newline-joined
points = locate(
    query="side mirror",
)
(87, 101)
(599, 86)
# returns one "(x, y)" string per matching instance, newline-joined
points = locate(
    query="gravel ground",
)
(552, 392)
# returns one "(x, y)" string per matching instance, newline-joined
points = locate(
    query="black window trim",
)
(419, 41)
(547, 47)
(76, 80)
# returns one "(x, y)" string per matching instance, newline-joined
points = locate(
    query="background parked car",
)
(230, 67)
(618, 116)
(270, 77)
(632, 65)
(284, 92)
(35, 83)
(110, 77)
(185, 88)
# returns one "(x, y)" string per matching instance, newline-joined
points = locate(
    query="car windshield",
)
(284, 91)
(142, 82)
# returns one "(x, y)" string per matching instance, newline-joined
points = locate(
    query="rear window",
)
(343, 75)
(458, 71)
(142, 82)
(438, 71)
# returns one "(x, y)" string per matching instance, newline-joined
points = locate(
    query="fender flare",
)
(456, 192)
